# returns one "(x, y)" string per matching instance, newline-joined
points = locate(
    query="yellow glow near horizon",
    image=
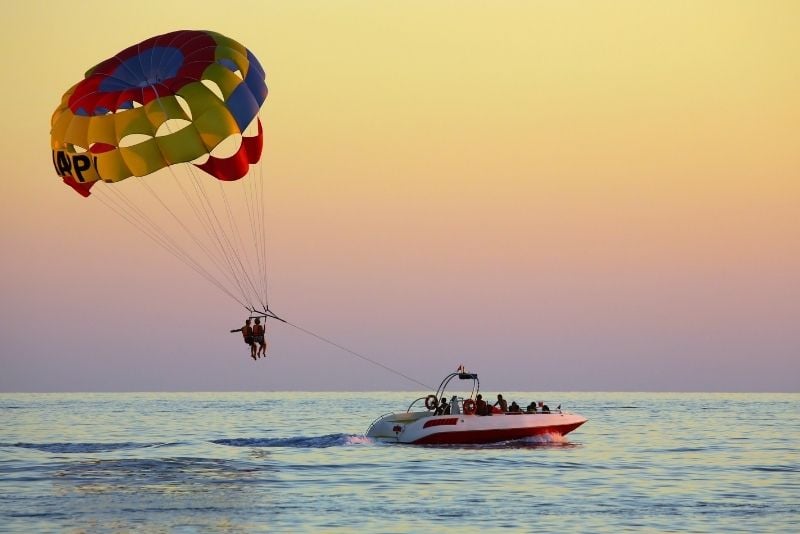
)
(636, 144)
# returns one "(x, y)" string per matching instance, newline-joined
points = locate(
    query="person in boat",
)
(444, 408)
(531, 407)
(247, 334)
(514, 408)
(258, 337)
(543, 407)
(503, 405)
(480, 405)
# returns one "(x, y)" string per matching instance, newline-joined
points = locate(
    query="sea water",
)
(242, 462)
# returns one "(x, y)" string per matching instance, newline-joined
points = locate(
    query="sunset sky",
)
(560, 195)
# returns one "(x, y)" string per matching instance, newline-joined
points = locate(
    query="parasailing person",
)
(247, 334)
(258, 338)
(166, 133)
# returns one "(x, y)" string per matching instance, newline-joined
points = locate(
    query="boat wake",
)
(533, 442)
(540, 441)
(77, 448)
(301, 442)
(546, 439)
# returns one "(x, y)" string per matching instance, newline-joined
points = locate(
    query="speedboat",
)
(460, 422)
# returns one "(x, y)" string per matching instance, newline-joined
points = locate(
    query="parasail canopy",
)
(144, 120)
(170, 99)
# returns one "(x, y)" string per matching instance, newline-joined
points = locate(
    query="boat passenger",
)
(531, 407)
(444, 408)
(514, 407)
(480, 405)
(545, 408)
(453, 406)
(502, 402)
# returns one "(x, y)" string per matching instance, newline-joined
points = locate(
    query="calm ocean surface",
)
(241, 462)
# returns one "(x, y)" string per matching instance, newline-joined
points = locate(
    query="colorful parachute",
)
(157, 111)
(170, 99)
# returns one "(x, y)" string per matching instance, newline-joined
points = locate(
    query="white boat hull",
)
(424, 428)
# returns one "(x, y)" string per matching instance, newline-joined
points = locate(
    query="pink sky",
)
(562, 197)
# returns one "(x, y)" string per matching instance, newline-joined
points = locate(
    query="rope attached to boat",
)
(349, 351)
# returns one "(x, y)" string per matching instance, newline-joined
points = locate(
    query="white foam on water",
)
(358, 440)
(547, 439)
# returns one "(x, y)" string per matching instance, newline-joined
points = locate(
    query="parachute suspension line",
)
(253, 230)
(174, 216)
(214, 232)
(180, 255)
(230, 252)
(251, 201)
(256, 232)
(263, 227)
(204, 225)
(169, 242)
(141, 64)
(253, 193)
(238, 243)
(237, 233)
(349, 351)
(137, 214)
(233, 253)
(213, 236)
(125, 209)
(145, 222)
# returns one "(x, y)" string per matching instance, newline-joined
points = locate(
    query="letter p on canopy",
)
(82, 167)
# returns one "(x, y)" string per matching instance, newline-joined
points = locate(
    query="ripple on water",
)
(76, 448)
(209, 462)
(303, 442)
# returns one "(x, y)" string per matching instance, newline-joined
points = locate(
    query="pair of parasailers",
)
(254, 335)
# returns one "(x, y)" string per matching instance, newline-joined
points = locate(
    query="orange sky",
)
(562, 195)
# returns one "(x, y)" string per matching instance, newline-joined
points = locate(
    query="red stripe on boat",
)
(440, 422)
(493, 435)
